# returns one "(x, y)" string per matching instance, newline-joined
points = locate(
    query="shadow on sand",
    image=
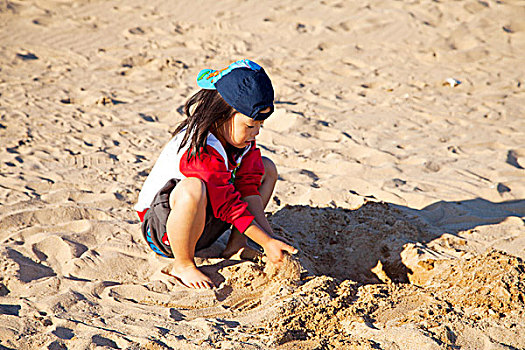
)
(367, 242)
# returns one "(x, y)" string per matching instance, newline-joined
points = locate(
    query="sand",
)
(398, 135)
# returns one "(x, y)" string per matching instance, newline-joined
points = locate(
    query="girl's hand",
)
(275, 249)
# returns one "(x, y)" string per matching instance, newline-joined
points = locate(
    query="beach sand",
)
(398, 135)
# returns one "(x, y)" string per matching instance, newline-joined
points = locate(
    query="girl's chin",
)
(240, 145)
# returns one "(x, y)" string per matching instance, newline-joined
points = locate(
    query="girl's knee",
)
(270, 170)
(190, 190)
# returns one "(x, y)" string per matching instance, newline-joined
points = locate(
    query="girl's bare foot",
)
(189, 275)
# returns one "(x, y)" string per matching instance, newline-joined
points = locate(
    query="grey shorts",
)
(154, 224)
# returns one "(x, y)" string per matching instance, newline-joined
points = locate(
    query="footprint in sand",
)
(28, 270)
(43, 21)
(137, 31)
(502, 188)
(64, 333)
(54, 250)
(104, 342)
(26, 56)
(432, 166)
(312, 176)
(512, 159)
(50, 216)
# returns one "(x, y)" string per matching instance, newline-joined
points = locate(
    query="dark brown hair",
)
(206, 111)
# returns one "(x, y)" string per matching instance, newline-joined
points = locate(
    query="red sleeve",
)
(224, 198)
(248, 176)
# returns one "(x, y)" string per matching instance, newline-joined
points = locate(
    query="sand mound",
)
(335, 299)
(490, 284)
(335, 314)
(288, 272)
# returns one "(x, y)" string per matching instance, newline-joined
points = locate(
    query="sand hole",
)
(362, 245)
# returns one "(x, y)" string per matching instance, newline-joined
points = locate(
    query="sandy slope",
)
(405, 195)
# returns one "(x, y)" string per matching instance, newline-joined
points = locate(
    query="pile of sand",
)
(468, 302)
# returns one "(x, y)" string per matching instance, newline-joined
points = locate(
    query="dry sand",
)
(404, 194)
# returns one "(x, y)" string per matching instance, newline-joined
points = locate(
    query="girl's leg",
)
(184, 227)
(268, 181)
(238, 242)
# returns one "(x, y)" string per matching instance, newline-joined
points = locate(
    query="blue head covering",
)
(244, 85)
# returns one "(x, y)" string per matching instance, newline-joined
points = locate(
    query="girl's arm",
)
(256, 207)
(261, 232)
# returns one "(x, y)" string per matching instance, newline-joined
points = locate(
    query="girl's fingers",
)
(290, 249)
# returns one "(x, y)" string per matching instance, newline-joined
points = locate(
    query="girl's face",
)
(240, 130)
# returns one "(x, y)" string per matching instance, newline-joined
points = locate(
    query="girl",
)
(211, 174)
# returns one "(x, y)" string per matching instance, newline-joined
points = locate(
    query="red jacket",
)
(226, 186)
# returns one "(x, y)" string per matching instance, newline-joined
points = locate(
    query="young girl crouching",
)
(211, 175)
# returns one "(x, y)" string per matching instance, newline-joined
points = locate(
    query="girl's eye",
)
(251, 126)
